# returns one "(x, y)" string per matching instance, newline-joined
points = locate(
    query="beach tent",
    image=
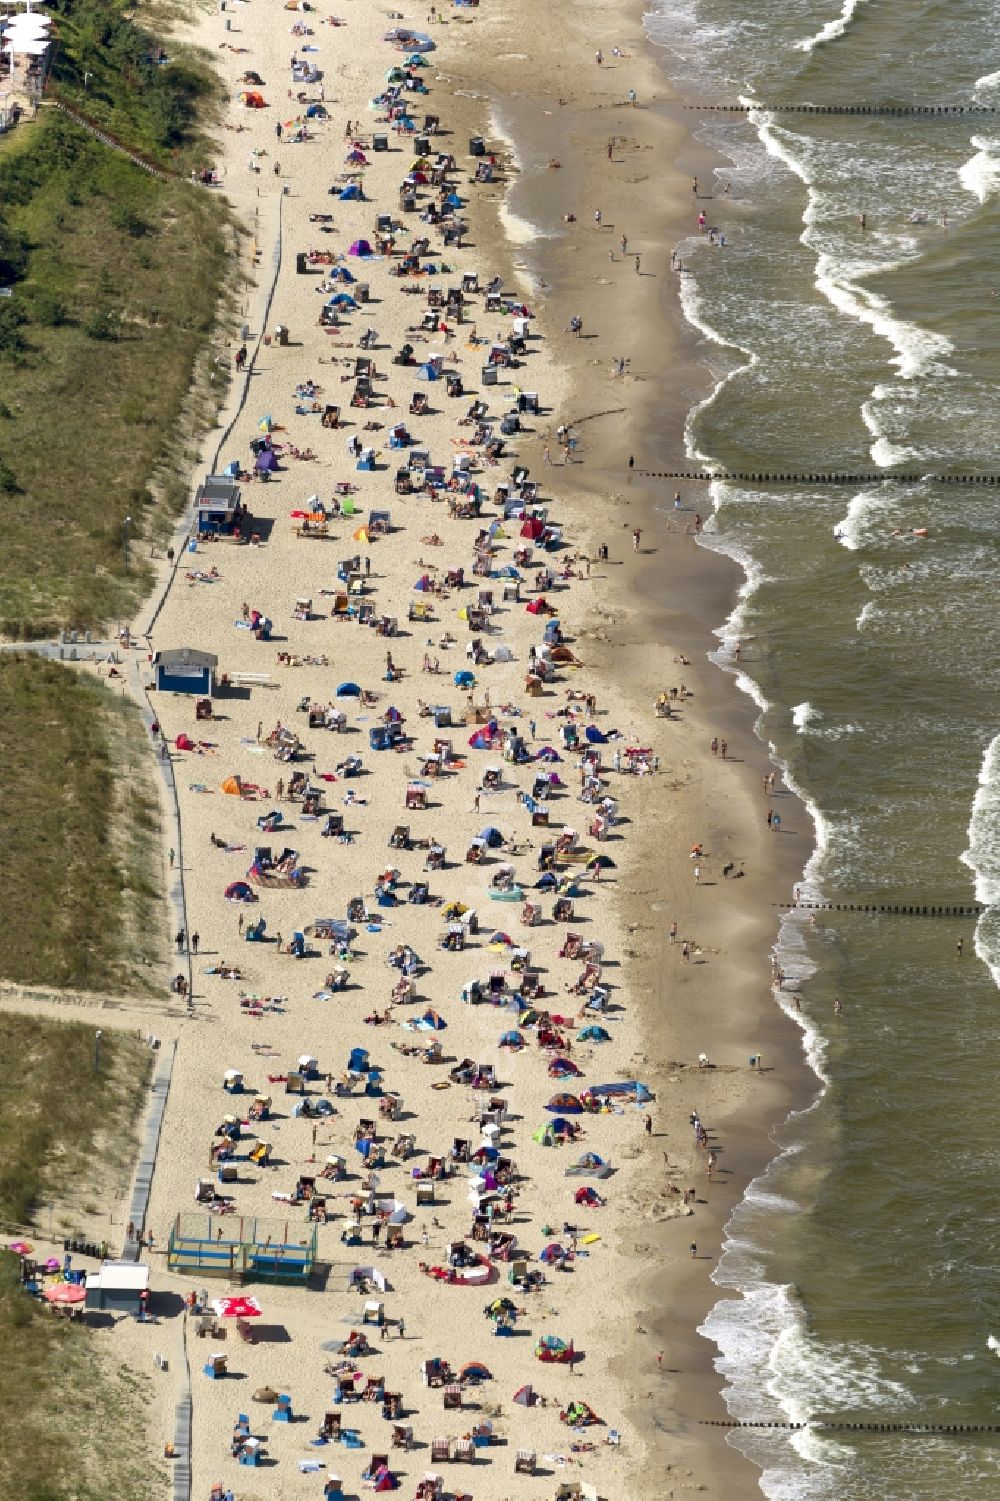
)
(474, 1370)
(593, 1034)
(552, 1350)
(341, 273)
(239, 891)
(628, 1088)
(563, 1068)
(565, 1104)
(233, 786)
(551, 1254)
(360, 247)
(348, 690)
(464, 679)
(266, 424)
(341, 299)
(595, 736)
(351, 191)
(525, 1396)
(266, 461)
(588, 1164)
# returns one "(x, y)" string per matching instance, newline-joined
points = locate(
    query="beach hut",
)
(218, 505)
(119, 1287)
(182, 669)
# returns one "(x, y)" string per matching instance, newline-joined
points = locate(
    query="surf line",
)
(917, 1429)
(847, 109)
(881, 477)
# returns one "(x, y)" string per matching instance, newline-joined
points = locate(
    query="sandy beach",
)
(630, 1282)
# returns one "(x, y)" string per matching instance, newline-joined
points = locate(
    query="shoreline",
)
(703, 585)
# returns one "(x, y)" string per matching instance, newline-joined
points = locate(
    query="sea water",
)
(860, 1280)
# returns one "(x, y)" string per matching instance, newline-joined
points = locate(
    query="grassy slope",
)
(103, 246)
(78, 863)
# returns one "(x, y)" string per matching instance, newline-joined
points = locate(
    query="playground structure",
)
(242, 1249)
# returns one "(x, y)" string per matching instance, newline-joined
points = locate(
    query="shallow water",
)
(860, 1276)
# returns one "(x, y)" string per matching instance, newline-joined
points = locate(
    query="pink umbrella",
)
(237, 1308)
(20, 1248)
(65, 1292)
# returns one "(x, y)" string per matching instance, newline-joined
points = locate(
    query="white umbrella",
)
(28, 48)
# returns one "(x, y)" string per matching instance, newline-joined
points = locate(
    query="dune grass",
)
(117, 279)
(71, 1427)
(80, 867)
(59, 1103)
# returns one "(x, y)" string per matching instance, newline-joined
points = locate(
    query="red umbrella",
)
(20, 1248)
(65, 1292)
(237, 1308)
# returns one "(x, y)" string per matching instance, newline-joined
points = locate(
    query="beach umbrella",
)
(65, 1293)
(551, 1253)
(601, 862)
(237, 1308)
(266, 424)
(20, 1248)
(52, 1264)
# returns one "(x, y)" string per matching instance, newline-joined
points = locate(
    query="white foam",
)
(980, 175)
(868, 613)
(804, 714)
(983, 857)
(988, 81)
(917, 351)
(853, 531)
(832, 29)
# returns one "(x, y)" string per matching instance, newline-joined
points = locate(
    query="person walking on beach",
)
(673, 931)
(637, 264)
(631, 464)
(179, 940)
(697, 875)
(723, 747)
(770, 817)
(597, 218)
(172, 857)
(694, 1249)
(636, 538)
(714, 746)
(686, 952)
(624, 244)
(960, 948)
